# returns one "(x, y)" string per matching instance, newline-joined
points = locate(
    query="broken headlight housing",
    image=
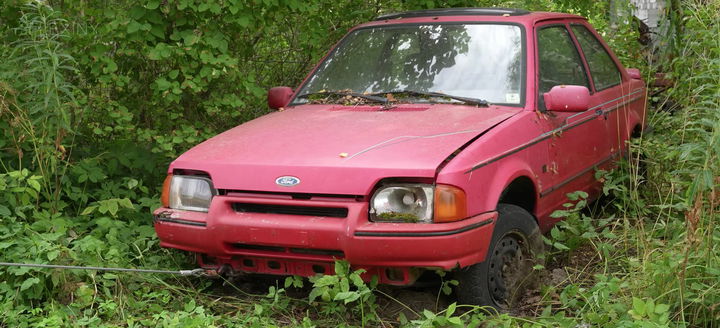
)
(403, 203)
(418, 203)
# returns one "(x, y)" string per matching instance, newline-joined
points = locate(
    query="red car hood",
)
(338, 150)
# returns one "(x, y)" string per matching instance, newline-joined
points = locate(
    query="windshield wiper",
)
(371, 97)
(467, 100)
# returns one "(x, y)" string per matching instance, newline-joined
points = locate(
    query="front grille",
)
(278, 249)
(333, 212)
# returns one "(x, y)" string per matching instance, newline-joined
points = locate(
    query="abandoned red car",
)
(426, 140)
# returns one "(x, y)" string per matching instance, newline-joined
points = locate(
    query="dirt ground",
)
(578, 267)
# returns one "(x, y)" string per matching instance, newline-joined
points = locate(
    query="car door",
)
(608, 85)
(578, 140)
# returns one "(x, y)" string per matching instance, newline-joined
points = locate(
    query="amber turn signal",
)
(165, 196)
(450, 204)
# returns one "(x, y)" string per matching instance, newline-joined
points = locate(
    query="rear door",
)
(609, 87)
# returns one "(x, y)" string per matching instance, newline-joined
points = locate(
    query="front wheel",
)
(507, 270)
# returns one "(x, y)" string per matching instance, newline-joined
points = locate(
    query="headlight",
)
(190, 193)
(423, 203)
(403, 203)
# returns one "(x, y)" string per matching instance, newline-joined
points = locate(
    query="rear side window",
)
(602, 68)
(560, 62)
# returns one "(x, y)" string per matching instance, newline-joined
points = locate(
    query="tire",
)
(507, 270)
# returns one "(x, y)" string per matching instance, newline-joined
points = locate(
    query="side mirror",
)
(278, 97)
(634, 73)
(567, 98)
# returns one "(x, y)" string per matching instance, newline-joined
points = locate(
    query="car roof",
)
(513, 15)
(455, 12)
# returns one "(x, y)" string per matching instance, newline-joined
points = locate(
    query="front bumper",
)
(304, 245)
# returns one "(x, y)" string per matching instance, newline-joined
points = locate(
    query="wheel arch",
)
(522, 192)
(514, 183)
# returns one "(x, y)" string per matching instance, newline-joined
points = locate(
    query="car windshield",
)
(480, 61)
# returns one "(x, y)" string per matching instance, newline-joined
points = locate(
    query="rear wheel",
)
(507, 270)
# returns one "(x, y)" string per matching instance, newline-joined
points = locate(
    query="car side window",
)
(604, 72)
(560, 62)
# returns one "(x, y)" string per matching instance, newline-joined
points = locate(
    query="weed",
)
(95, 100)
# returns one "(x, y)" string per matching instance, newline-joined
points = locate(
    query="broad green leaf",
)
(342, 295)
(352, 298)
(109, 276)
(456, 321)
(356, 280)
(34, 184)
(133, 26)
(88, 210)
(556, 233)
(152, 4)
(112, 206)
(344, 285)
(661, 308)
(650, 306)
(288, 281)
(5, 211)
(126, 203)
(51, 255)
(315, 293)
(638, 306)
(429, 314)
(450, 310)
(190, 306)
(29, 283)
(561, 247)
(132, 183)
(341, 268)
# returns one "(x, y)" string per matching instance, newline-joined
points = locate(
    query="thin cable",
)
(73, 267)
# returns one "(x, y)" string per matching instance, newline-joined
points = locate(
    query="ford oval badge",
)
(287, 181)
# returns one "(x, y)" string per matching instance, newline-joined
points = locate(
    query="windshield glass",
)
(482, 61)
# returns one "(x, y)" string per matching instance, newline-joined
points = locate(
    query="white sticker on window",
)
(512, 98)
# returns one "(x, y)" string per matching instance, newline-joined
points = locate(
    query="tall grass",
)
(658, 260)
(40, 96)
(678, 260)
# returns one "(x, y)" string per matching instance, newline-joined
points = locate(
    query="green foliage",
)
(442, 319)
(96, 99)
(577, 228)
(345, 292)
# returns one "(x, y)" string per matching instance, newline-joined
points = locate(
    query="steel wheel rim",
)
(507, 255)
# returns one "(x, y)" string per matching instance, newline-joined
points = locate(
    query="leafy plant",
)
(578, 228)
(348, 287)
(95, 101)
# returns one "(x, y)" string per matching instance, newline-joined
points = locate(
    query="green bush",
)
(96, 99)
